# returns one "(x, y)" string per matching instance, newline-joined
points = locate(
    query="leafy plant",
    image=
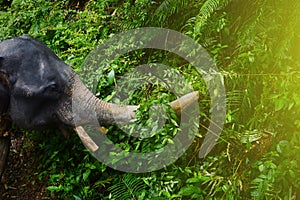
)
(129, 187)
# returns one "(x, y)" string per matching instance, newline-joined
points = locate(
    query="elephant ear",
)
(4, 91)
(1, 64)
(3, 74)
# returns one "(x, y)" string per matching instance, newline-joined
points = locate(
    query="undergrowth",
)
(253, 45)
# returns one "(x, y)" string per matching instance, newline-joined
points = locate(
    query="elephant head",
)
(35, 82)
(37, 87)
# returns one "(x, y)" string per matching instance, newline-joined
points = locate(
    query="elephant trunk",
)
(83, 107)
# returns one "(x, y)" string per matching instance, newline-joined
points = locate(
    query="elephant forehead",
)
(35, 74)
(38, 67)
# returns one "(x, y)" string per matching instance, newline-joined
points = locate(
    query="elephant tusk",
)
(184, 101)
(85, 138)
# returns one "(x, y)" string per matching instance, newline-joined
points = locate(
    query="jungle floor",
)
(19, 180)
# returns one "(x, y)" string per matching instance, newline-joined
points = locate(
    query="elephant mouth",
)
(33, 120)
(35, 124)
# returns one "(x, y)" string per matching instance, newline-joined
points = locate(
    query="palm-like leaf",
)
(207, 9)
(129, 188)
(173, 13)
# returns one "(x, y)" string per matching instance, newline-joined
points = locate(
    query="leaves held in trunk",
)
(178, 106)
(111, 77)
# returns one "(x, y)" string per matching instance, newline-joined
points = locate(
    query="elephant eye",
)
(52, 92)
(52, 88)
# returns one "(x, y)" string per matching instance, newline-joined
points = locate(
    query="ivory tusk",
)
(85, 138)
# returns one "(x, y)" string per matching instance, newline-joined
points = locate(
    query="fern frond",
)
(207, 9)
(129, 187)
(170, 7)
(173, 13)
(251, 25)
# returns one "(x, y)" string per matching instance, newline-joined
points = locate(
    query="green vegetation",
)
(255, 44)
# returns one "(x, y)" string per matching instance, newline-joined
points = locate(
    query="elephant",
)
(37, 89)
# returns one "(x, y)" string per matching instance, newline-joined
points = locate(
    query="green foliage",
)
(253, 43)
(276, 175)
(129, 187)
(207, 9)
(71, 171)
(172, 14)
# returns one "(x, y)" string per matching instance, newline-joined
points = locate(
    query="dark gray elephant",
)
(37, 90)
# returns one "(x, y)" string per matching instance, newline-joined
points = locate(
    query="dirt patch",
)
(20, 180)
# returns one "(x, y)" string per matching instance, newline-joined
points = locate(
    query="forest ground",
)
(20, 179)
